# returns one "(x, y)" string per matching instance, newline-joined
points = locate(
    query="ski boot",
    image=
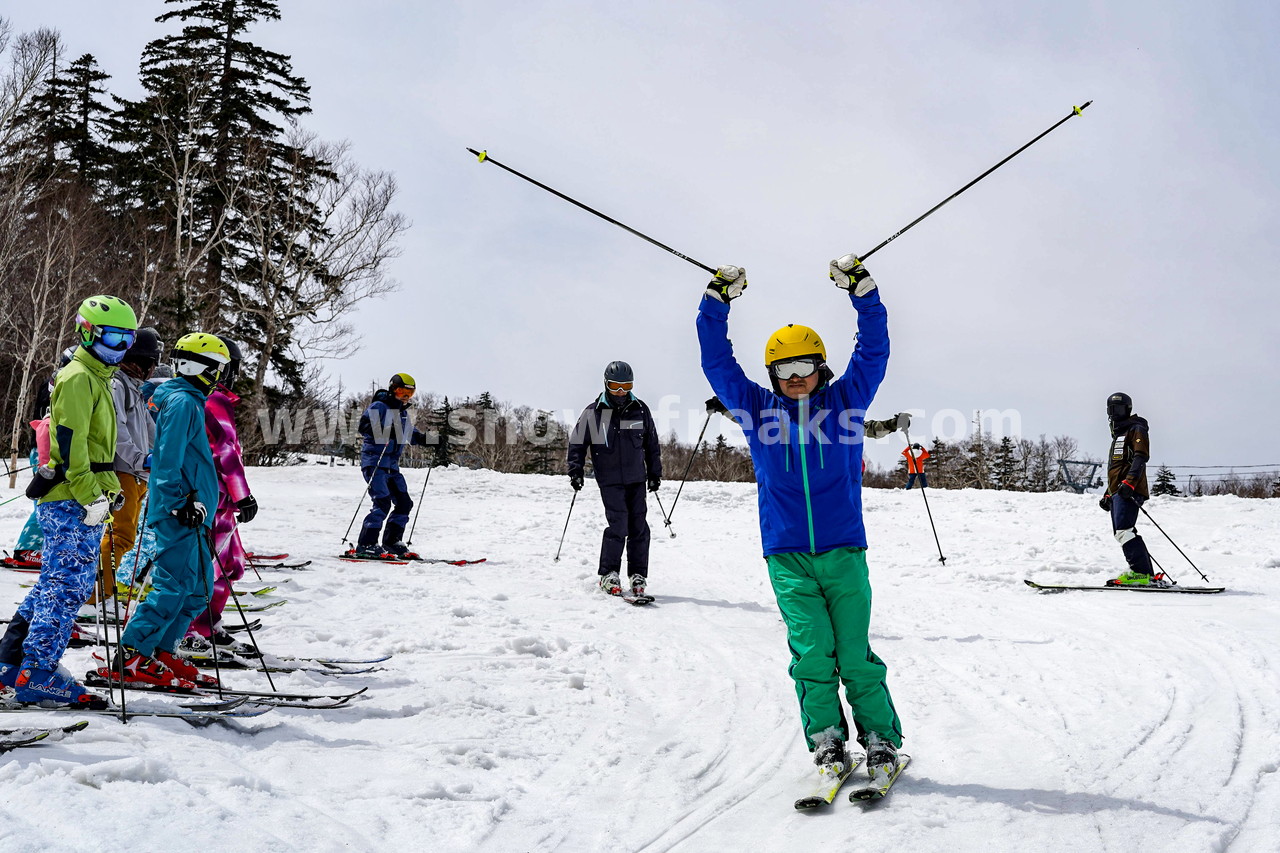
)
(142, 671)
(185, 670)
(223, 640)
(830, 752)
(400, 551)
(882, 756)
(611, 583)
(54, 687)
(9, 674)
(368, 552)
(638, 583)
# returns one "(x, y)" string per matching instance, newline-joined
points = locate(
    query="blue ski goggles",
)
(113, 337)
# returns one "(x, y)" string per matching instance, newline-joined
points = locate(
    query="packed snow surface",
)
(523, 710)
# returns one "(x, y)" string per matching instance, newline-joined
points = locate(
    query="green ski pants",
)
(825, 601)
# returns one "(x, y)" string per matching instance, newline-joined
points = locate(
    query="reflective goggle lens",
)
(117, 339)
(403, 393)
(619, 386)
(797, 367)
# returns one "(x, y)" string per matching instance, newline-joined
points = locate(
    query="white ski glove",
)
(849, 273)
(904, 421)
(728, 284)
(96, 513)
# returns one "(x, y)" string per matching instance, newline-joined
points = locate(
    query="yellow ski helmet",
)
(201, 358)
(793, 341)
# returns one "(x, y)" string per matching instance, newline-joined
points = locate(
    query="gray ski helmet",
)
(619, 371)
(1119, 406)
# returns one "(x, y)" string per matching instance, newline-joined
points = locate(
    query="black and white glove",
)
(728, 284)
(117, 502)
(714, 406)
(1105, 503)
(96, 512)
(247, 509)
(655, 483)
(575, 480)
(849, 273)
(904, 420)
(191, 514)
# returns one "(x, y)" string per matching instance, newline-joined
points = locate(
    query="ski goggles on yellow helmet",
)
(796, 367)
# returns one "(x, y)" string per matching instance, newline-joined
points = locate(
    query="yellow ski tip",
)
(1080, 109)
(482, 155)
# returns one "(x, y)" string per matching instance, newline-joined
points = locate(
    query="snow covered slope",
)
(525, 711)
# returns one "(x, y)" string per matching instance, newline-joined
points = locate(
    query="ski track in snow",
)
(525, 711)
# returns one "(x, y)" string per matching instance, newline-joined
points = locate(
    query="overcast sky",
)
(1132, 249)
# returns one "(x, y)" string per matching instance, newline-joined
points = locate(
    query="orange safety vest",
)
(916, 465)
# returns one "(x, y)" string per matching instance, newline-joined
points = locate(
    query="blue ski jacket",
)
(807, 453)
(386, 427)
(181, 460)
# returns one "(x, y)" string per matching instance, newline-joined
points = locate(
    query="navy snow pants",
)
(391, 504)
(625, 510)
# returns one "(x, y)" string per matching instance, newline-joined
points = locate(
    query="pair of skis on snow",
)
(830, 782)
(1197, 590)
(30, 735)
(349, 556)
(200, 713)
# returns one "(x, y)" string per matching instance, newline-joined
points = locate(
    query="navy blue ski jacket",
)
(807, 453)
(386, 427)
(623, 440)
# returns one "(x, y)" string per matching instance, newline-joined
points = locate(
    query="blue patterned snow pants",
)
(66, 579)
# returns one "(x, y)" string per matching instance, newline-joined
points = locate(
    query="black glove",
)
(728, 284)
(1105, 503)
(1125, 490)
(715, 406)
(191, 514)
(575, 480)
(247, 509)
(916, 447)
(654, 483)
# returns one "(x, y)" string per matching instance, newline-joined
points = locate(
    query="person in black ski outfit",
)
(626, 456)
(1127, 489)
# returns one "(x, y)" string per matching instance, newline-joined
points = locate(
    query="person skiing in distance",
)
(916, 456)
(626, 455)
(184, 483)
(135, 432)
(805, 435)
(236, 505)
(385, 425)
(76, 491)
(1127, 489)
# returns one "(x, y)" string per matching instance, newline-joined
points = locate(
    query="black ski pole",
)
(208, 602)
(360, 502)
(1075, 111)
(247, 627)
(664, 514)
(1162, 571)
(566, 524)
(1171, 542)
(418, 508)
(923, 491)
(485, 158)
(106, 645)
(713, 405)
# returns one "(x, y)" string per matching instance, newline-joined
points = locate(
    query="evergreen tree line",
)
(1260, 485)
(203, 204)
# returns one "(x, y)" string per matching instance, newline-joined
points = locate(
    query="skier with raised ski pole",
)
(805, 433)
(76, 492)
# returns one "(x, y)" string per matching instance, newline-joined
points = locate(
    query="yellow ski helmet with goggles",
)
(200, 358)
(794, 350)
(402, 387)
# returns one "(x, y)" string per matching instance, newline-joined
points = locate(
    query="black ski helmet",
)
(146, 347)
(231, 372)
(619, 371)
(1119, 406)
